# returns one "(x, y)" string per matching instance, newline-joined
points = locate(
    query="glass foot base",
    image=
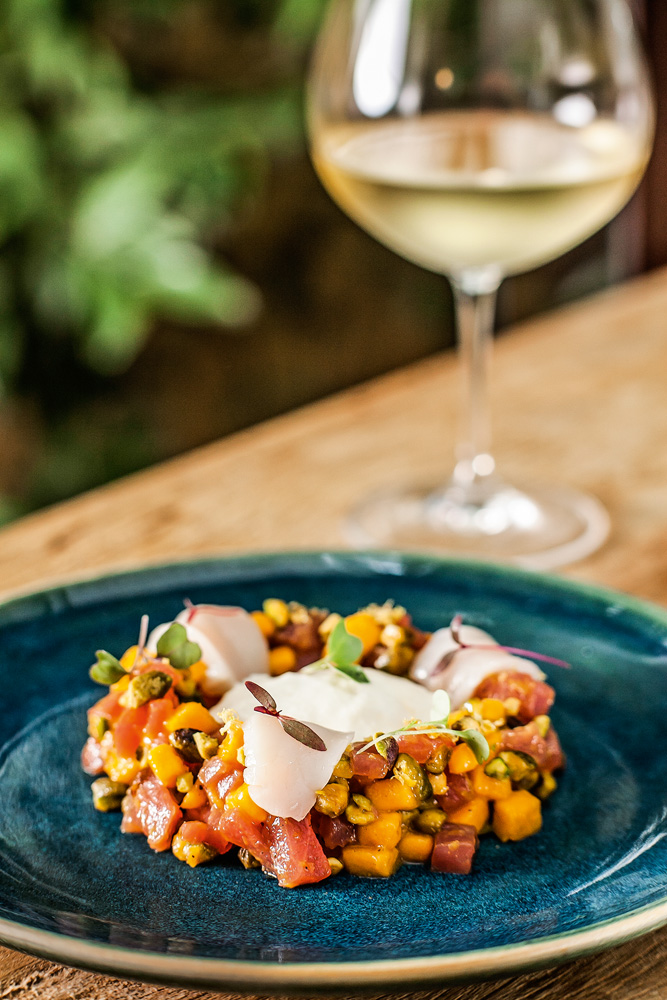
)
(541, 529)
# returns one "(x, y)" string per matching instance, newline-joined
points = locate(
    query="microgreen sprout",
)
(343, 651)
(455, 629)
(440, 709)
(107, 669)
(175, 646)
(297, 730)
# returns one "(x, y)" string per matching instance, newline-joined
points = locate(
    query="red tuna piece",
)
(157, 812)
(297, 857)
(454, 849)
(535, 697)
(92, 757)
(545, 750)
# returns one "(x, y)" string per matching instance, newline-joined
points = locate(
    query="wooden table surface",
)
(580, 397)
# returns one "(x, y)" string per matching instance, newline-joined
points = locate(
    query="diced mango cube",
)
(416, 846)
(462, 759)
(474, 813)
(391, 795)
(383, 832)
(195, 798)
(378, 862)
(192, 715)
(166, 764)
(240, 799)
(517, 817)
(488, 787)
(364, 627)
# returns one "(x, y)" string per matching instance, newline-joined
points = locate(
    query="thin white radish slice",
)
(469, 667)
(283, 775)
(231, 642)
(234, 633)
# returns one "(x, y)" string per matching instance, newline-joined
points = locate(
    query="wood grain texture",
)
(580, 397)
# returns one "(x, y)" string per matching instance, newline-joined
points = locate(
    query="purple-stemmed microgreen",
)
(440, 709)
(343, 652)
(297, 730)
(455, 629)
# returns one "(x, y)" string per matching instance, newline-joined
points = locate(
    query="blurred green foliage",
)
(113, 190)
(106, 193)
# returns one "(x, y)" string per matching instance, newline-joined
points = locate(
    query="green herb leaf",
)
(173, 637)
(477, 743)
(344, 648)
(352, 670)
(183, 656)
(175, 646)
(107, 670)
(440, 706)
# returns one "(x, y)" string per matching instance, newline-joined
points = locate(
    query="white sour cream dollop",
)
(329, 698)
(282, 774)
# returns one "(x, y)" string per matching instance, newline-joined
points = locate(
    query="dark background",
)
(170, 268)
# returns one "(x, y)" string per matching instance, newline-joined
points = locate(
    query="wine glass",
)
(480, 139)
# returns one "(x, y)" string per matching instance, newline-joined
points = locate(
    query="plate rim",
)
(117, 960)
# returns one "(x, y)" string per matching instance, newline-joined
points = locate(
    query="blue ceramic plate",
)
(75, 890)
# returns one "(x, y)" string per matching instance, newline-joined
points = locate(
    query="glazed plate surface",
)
(73, 889)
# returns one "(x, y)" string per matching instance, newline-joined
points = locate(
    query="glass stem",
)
(475, 305)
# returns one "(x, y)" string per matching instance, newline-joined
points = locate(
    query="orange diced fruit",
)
(264, 623)
(166, 764)
(192, 715)
(370, 862)
(391, 795)
(364, 627)
(195, 798)
(462, 759)
(282, 659)
(474, 813)
(492, 709)
(197, 671)
(490, 788)
(382, 832)
(240, 799)
(232, 741)
(416, 847)
(517, 817)
(128, 658)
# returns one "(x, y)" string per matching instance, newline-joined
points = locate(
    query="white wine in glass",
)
(480, 139)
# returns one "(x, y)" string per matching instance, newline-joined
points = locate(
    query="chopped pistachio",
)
(512, 706)
(183, 740)
(333, 799)
(361, 811)
(343, 769)
(184, 782)
(467, 722)
(412, 774)
(497, 768)
(198, 854)
(145, 687)
(547, 786)
(521, 768)
(335, 865)
(430, 820)
(107, 794)
(328, 625)
(437, 762)
(543, 723)
(247, 859)
(207, 745)
(97, 727)
(277, 611)
(298, 614)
